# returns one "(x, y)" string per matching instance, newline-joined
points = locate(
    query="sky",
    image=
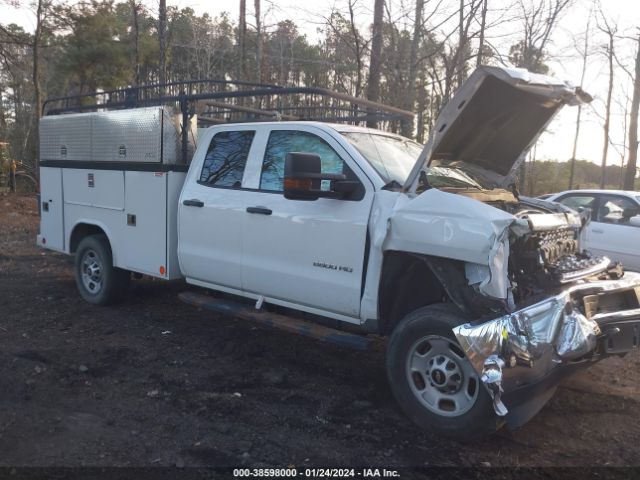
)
(557, 142)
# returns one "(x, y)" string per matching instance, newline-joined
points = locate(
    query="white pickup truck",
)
(486, 297)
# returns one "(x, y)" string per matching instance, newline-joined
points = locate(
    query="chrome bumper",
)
(523, 347)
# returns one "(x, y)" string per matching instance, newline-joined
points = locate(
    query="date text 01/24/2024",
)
(316, 472)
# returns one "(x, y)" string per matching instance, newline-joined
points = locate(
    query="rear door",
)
(212, 208)
(307, 253)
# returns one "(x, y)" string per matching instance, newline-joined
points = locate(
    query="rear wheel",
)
(98, 281)
(433, 381)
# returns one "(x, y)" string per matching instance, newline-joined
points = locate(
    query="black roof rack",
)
(233, 101)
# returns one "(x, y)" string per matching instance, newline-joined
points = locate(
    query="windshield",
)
(394, 157)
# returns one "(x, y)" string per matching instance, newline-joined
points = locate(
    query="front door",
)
(612, 233)
(309, 253)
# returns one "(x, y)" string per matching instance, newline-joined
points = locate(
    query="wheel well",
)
(81, 231)
(406, 284)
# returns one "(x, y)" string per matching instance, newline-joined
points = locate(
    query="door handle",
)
(260, 210)
(597, 230)
(193, 203)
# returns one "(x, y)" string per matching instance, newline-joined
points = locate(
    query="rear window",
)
(226, 158)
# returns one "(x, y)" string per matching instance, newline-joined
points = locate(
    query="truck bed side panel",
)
(94, 188)
(144, 237)
(136, 210)
(51, 208)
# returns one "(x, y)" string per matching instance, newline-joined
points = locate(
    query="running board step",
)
(289, 324)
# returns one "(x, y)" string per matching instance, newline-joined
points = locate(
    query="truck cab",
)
(238, 232)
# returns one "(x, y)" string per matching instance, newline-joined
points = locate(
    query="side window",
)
(578, 201)
(226, 157)
(282, 142)
(618, 210)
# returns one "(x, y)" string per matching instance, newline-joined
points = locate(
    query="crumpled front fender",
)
(453, 226)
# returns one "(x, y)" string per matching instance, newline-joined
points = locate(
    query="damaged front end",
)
(565, 308)
(541, 306)
(579, 325)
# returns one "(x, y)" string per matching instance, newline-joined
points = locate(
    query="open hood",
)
(491, 122)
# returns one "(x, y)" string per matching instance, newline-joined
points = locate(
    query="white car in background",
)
(614, 229)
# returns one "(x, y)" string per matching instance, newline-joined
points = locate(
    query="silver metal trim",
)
(539, 338)
(593, 270)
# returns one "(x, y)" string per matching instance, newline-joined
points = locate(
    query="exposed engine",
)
(549, 255)
(538, 251)
(546, 259)
(546, 253)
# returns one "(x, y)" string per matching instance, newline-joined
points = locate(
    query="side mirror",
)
(303, 176)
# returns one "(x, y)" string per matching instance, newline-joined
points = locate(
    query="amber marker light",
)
(297, 184)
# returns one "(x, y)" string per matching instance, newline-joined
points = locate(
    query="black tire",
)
(94, 255)
(427, 324)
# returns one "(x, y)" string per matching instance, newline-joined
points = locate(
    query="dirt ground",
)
(155, 382)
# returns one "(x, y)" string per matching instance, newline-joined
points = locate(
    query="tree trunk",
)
(572, 166)
(36, 61)
(531, 174)
(624, 144)
(375, 64)
(258, 42)
(136, 40)
(483, 24)
(406, 128)
(577, 134)
(242, 37)
(630, 174)
(459, 61)
(607, 115)
(162, 38)
(356, 41)
(423, 100)
(37, 93)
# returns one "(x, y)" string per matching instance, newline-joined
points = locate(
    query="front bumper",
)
(584, 322)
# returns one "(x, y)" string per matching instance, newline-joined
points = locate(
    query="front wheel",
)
(98, 281)
(433, 381)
